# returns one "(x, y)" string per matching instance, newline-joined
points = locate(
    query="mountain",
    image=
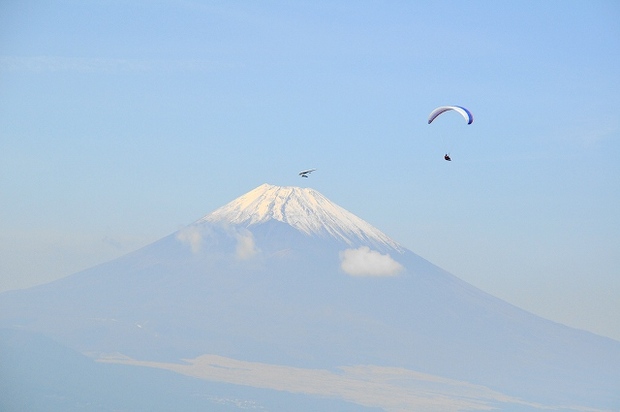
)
(284, 290)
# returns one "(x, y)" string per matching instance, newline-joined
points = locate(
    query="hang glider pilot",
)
(305, 173)
(447, 157)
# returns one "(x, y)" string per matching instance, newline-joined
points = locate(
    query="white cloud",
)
(191, 235)
(245, 245)
(366, 262)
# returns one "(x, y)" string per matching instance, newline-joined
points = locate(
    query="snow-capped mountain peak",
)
(304, 209)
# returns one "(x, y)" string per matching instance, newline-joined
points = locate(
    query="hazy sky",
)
(123, 121)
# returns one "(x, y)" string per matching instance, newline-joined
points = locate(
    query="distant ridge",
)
(302, 208)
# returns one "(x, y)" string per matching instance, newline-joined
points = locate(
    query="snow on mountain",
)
(304, 209)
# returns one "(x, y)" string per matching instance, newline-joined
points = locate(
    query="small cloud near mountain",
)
(366, 262)
(246, 247)
(194, 237)
(191, 236)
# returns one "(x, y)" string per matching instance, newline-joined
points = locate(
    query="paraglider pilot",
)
(447, 157)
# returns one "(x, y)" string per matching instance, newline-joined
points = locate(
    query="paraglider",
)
(442, 109)
(305, 173)
(469, 118)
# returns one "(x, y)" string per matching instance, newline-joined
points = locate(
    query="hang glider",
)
(305, 173)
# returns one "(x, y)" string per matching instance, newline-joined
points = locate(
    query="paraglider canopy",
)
(442, 109)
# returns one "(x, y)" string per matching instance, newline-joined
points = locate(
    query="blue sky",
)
(122, 121)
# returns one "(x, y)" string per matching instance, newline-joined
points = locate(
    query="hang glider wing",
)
(305, 173)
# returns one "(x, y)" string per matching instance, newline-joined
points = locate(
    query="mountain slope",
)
(283, 276)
